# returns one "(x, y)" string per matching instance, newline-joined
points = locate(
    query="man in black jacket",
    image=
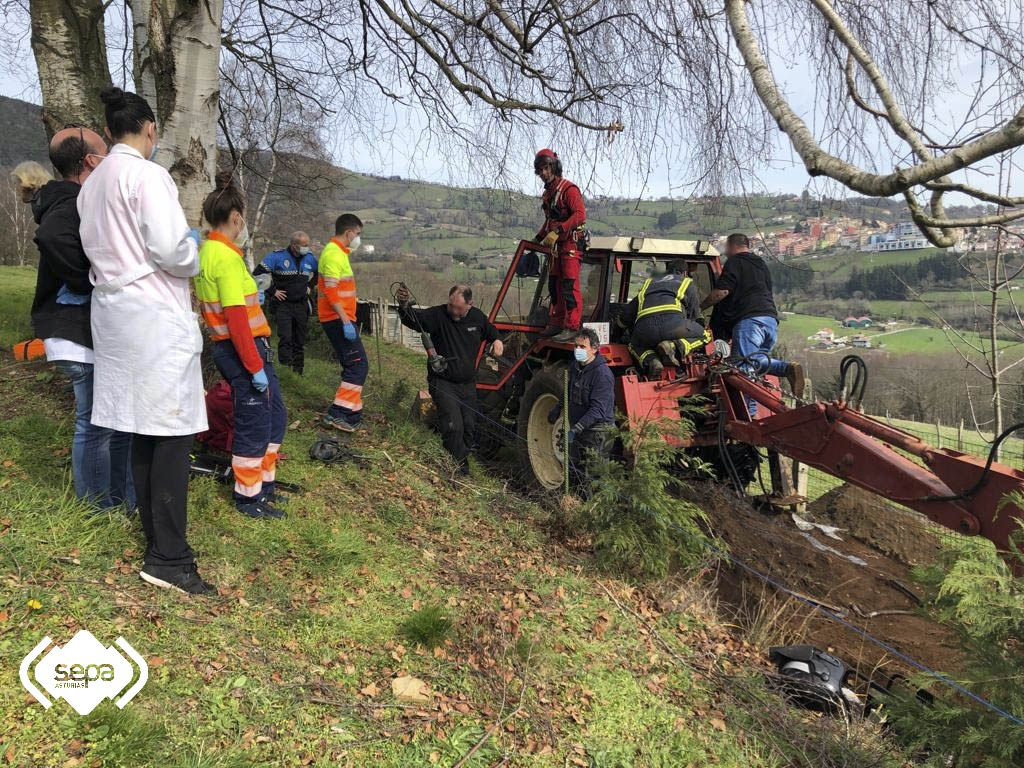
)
(744, 311)
(456, 329)
(100, 457)
(591, 405)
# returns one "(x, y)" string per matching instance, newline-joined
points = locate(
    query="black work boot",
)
(551, 330)
(654, 367)
(260, 510)
(566, 336)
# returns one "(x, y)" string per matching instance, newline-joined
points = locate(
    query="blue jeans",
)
(100, 457)
(753, 338)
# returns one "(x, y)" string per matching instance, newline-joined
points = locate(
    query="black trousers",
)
(650, 331)
(456, 414)
(292, 331)
(591, 447)
(160, 469)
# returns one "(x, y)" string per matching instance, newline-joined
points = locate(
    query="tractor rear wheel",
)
(539, 446)
(492, 435)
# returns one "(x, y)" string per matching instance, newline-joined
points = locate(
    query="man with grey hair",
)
(293, 274)
(457, 330)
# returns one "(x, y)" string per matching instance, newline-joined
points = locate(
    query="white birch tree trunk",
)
(177, 53)
(71, 56)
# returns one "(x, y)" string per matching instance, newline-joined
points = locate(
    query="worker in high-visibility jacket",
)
(229, 301)
(336, 307)
(664, 320)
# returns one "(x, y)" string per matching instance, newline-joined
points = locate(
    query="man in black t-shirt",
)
(456, 328)
(744, 310)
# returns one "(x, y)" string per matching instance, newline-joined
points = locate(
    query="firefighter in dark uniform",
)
(664, 320)
(564, 217)
(293, 271)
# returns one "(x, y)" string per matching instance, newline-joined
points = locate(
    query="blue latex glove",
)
(194, 234)
(350, 332)
(572, 435)
(259, 380)
(66, 296)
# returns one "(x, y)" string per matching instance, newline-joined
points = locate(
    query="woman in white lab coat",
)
(147, 377)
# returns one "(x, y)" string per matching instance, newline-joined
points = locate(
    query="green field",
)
(833, 268)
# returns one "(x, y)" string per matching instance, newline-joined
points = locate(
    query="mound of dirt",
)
(869, 588)
(900, 534)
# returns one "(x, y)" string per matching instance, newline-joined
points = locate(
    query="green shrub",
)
(640, 526)
(976, 592)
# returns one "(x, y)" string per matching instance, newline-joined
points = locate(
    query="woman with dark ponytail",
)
(230, 304)
(146, 337)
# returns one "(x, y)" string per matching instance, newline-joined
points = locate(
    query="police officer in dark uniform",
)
(665, 319)
(293, 271)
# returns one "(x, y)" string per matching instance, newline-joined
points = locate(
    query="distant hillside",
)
(480, 227)
(24, 138)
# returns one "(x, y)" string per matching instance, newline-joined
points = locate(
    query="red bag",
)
(220, 413)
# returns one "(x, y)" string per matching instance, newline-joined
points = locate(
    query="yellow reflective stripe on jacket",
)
(675, 306)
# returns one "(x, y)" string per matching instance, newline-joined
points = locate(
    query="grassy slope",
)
(292, 664)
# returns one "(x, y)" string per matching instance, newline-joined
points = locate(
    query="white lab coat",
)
(147, 377)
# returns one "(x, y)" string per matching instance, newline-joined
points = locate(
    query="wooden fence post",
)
(799, 469)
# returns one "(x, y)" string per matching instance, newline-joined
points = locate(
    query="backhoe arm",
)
(861, 451)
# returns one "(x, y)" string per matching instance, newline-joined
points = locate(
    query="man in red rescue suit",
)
(564, 216)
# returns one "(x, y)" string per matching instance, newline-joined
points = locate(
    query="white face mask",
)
(305, 250)
(355, 242)
(243, 236)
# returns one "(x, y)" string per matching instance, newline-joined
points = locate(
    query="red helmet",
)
(547, 157)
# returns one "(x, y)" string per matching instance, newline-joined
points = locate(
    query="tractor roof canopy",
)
(648, 247)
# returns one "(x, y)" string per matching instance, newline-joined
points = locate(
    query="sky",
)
(404, 156)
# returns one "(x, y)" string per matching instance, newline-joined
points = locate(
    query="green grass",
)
(290, 665)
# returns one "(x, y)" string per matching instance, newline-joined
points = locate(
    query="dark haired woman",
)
(146, 337)
(231, 308)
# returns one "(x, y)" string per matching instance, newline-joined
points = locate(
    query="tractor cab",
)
(515, 389)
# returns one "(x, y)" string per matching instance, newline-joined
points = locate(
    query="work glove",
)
(194, 235)
(350, 332)
(572, 435)
(402, 295)
(554, 413)
(549, 239)
(259, 380)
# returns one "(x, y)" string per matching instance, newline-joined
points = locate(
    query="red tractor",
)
(959, 491)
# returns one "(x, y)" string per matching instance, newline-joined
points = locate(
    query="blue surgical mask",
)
(152, 155)
(580, 355)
